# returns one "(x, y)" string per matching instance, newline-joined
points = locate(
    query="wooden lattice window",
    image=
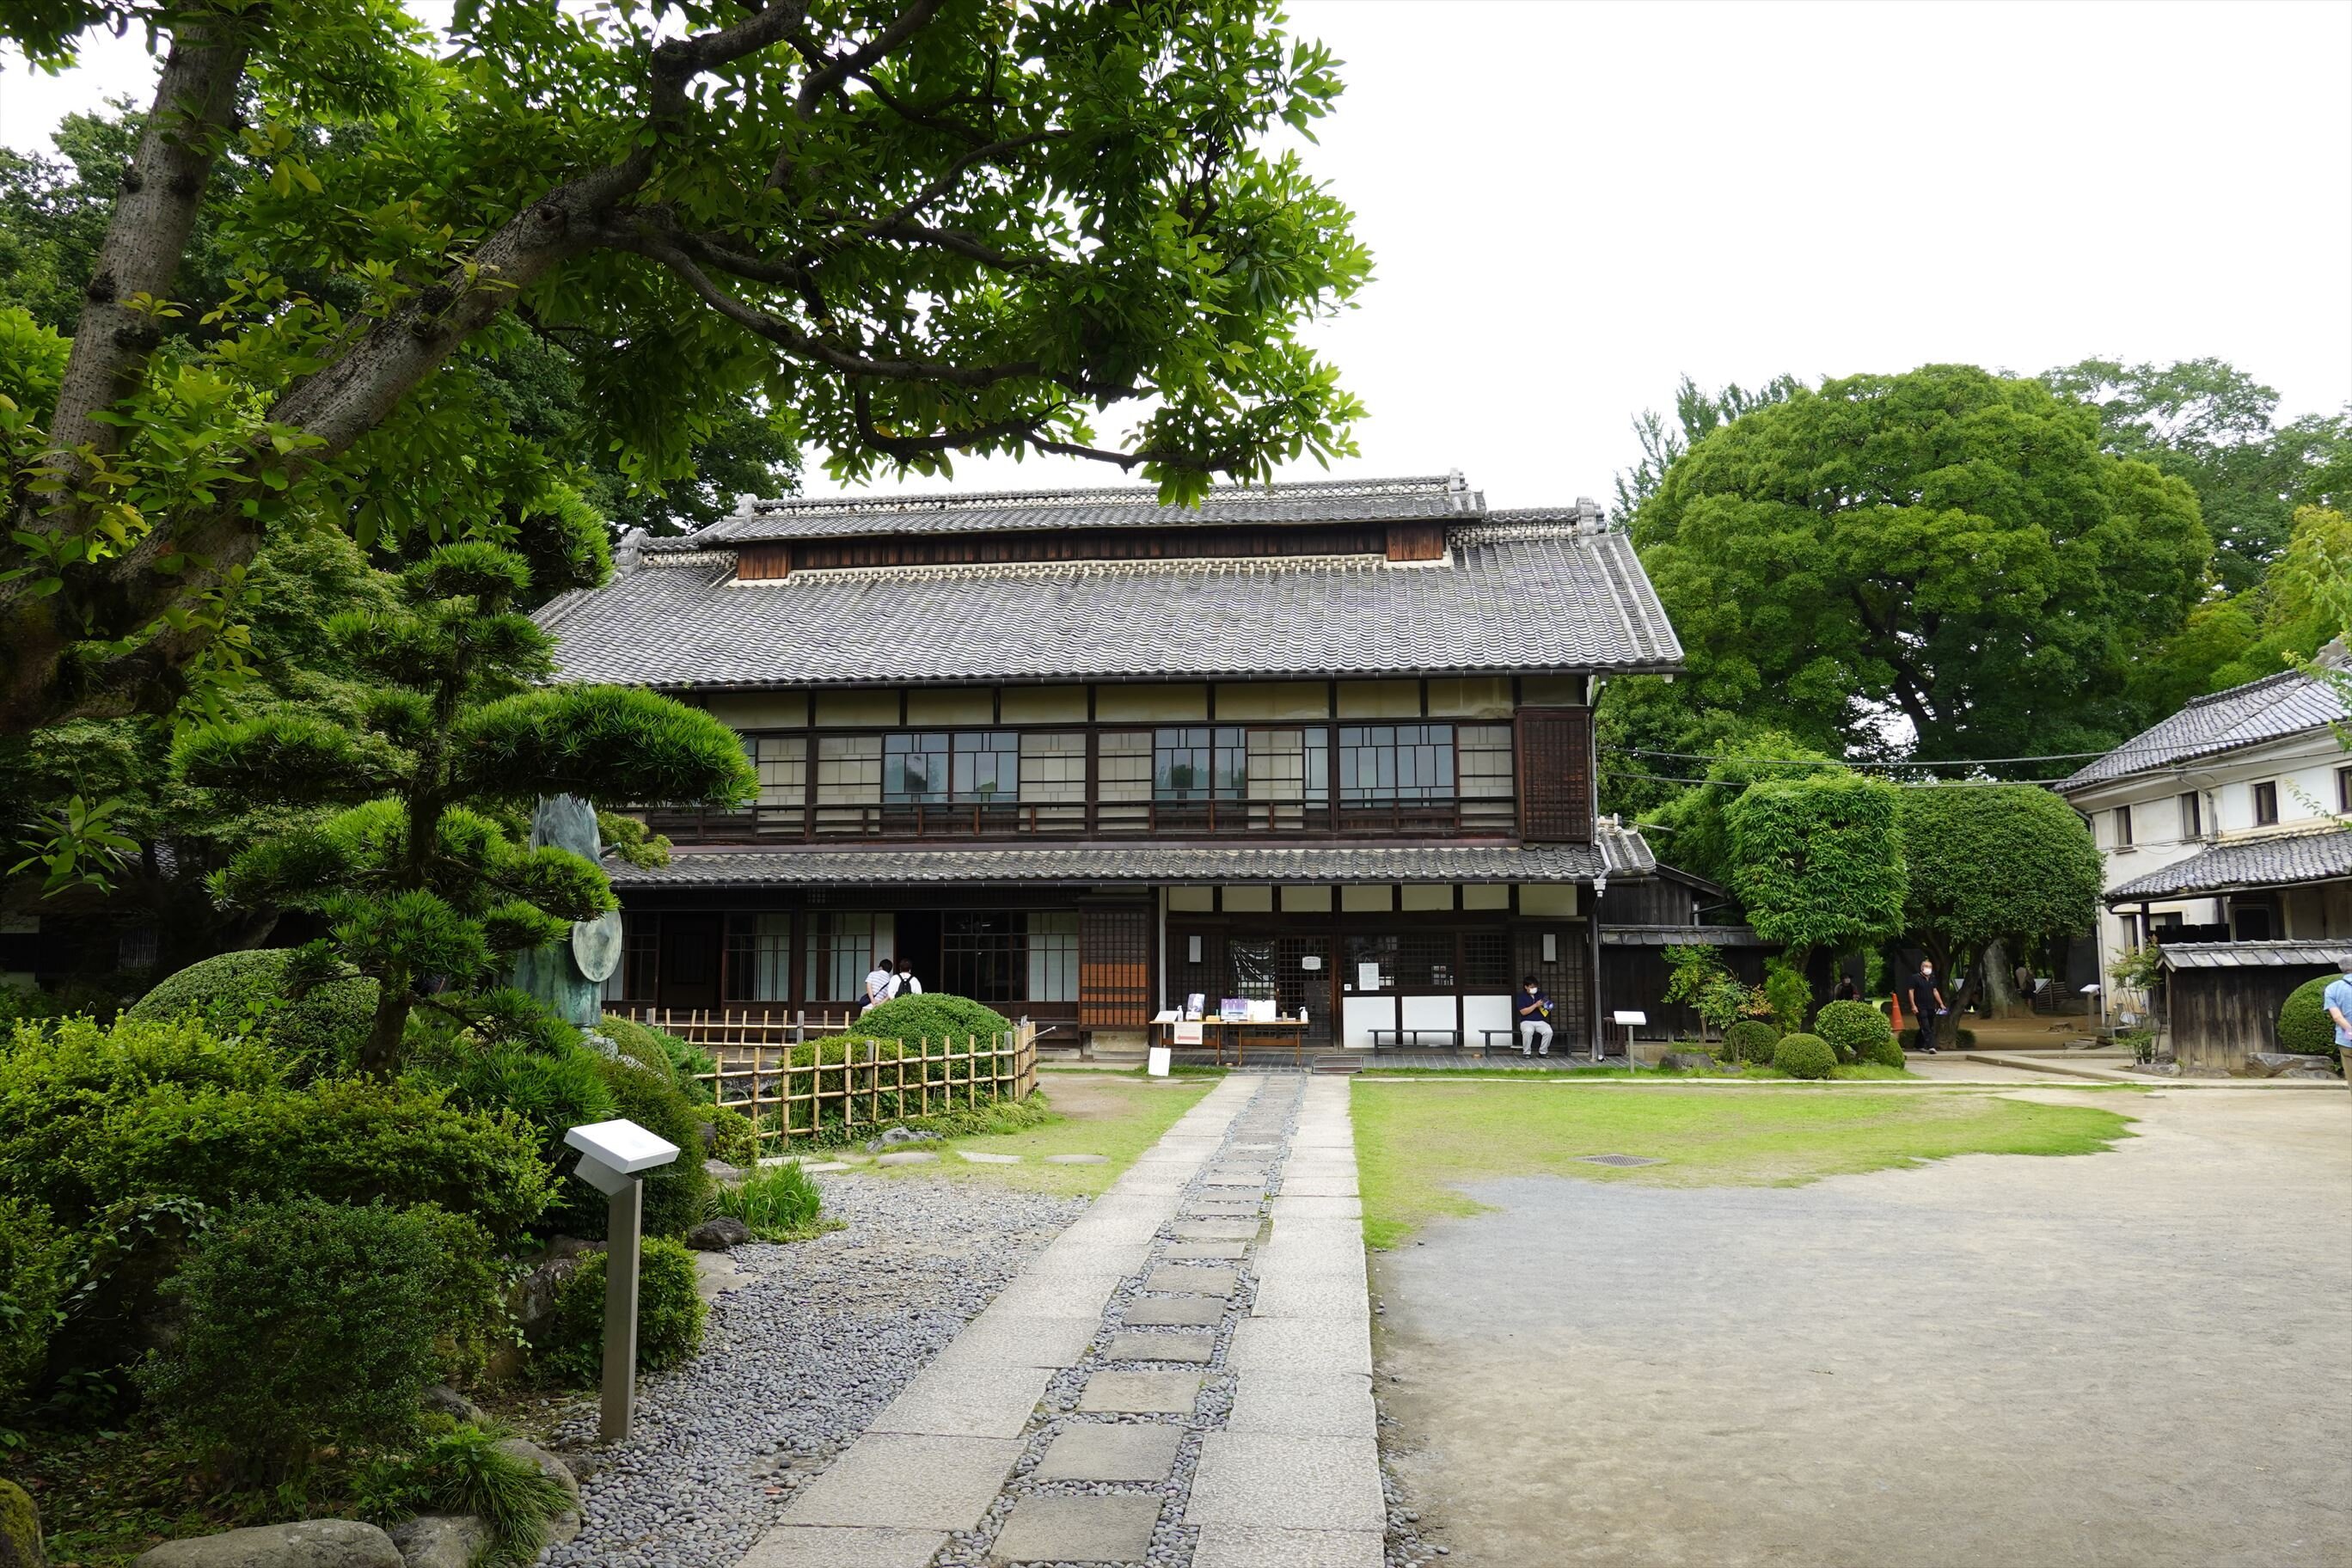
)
(1114, 967)
(1556, 775)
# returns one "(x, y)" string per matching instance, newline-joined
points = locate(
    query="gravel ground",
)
(795, 1364)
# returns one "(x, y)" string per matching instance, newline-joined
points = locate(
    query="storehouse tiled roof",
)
(2271, 709)
(2275, 862)
(2254, 954)
(1617, 852)
(1508, 597)
(1435, 499)
(1681, 936)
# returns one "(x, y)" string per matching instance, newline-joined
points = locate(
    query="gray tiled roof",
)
(1617, 853)
(2275, 862)
(2271, 709)
(2255, 954)
(1509, 597)
(1122, 506)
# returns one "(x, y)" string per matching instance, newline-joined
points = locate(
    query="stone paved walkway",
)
(1181, 1380)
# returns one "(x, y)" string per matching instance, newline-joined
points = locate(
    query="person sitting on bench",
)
(1535, 1018)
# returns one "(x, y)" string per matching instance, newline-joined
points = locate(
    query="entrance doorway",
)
(689, 961)
(1292, 972)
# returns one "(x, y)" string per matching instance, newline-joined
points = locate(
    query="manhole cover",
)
(1618, 1159)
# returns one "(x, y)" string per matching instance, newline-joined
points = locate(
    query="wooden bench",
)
(1452, 1037)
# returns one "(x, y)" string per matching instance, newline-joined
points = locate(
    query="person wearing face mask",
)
(1535, 1018)
(1927, 1003)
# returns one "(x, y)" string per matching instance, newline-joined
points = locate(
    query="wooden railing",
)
(821, 1091)
(1456, 816)
(715, 1029)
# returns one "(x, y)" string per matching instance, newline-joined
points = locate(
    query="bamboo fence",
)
(873, 1083)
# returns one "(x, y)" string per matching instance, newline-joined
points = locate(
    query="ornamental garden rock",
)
(307, 1543)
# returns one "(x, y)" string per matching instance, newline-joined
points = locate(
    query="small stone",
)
(720, 1233)
(979, 1158)
(440, 1399)
(721, 1171)
(908, 1157)
(307, 1543)
(441, 1540)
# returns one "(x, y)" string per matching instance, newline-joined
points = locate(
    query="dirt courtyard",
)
(2142, 1357)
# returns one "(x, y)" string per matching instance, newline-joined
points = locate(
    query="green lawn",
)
(1858, 1072)
(1417, 1143)
(1110, 1114)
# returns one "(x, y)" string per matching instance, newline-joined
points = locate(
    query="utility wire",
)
(1899, 783)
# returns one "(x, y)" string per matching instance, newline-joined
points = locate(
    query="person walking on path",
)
(2338, 1000)
(1535, 1018)
(1927, 1003)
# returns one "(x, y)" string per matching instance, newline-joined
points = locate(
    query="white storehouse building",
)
(2231, 821)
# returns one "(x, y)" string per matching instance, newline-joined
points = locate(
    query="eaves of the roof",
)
(1615, 853)
(2275, 707)
(2255, 954)
(2280, 860)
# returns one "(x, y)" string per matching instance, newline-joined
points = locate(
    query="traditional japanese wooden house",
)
(1080, 755)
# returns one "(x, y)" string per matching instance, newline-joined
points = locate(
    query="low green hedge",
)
(60, 1081)
(306, 1323)
(570, 1347)
(345, 1139)
(932, 1015)
(1804, 1056)
(2304, 1025)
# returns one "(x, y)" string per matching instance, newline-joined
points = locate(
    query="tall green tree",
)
(1942, 563)
(2006, 863)
(424, 872)
(906, 229)
(1819, 860)
(2211, 424)
(1696, 414)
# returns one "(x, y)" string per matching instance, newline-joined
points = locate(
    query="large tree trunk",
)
(2002, 999)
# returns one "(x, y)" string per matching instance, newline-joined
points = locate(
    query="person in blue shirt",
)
(1534, 1017)
(2338, 1001)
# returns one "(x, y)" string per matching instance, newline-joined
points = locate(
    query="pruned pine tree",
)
(425, 876)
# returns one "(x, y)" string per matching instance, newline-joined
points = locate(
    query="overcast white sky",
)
(1572, 205)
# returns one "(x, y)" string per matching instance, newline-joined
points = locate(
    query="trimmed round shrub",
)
(933, 1016)
(346, 1139)
(1804, 1056)
(244, 994)
(2304, 1025)
(677, 1195)
(310, 1323)
(734, 1140)
(1749, 1040)
(656, 1050)
(33, 1257)
(570, 1347)
(1857, 1031)
(554, 1091)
